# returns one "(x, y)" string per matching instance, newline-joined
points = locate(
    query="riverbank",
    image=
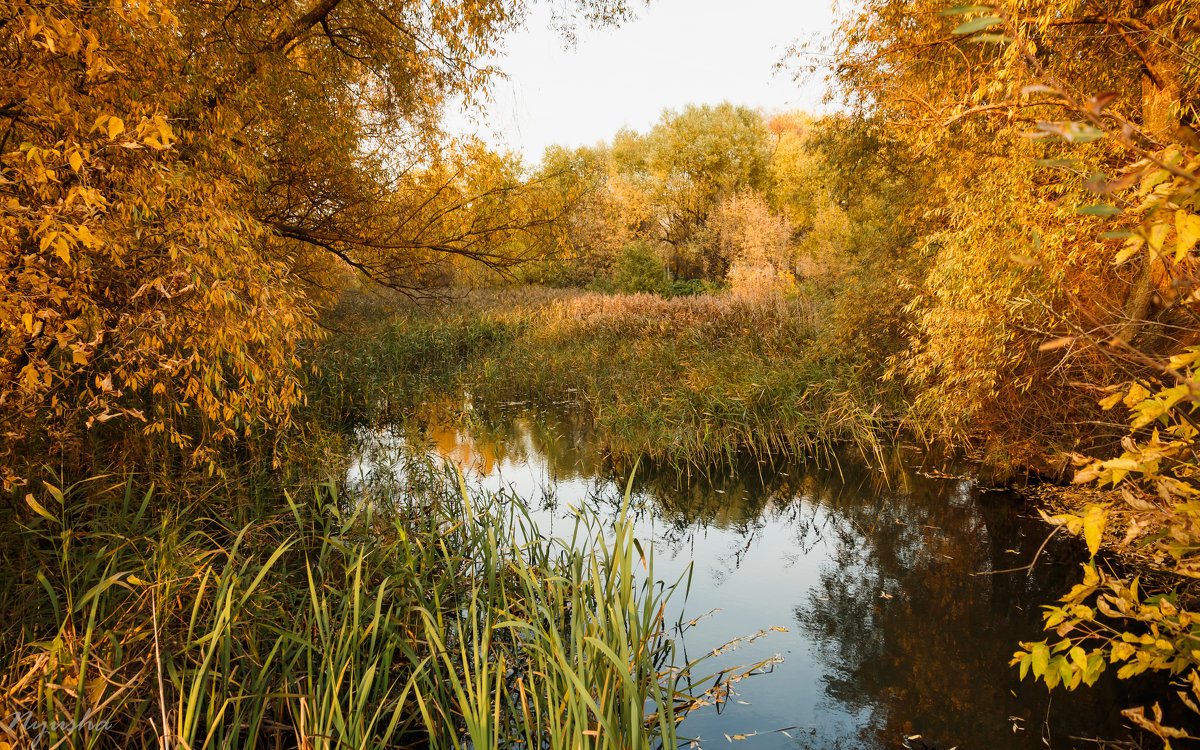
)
(402, 610)
(690, 381)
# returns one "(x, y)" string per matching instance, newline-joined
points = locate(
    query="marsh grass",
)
(687, 380)
(399, 614)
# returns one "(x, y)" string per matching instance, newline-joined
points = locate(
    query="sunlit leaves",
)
(1052, 122)
(1187, 229)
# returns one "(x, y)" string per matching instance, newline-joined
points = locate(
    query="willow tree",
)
(177, 178)
(1035, 122)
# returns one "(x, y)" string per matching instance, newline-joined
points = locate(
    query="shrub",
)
(639, 269)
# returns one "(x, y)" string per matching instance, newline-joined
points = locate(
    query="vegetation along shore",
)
(240, 241)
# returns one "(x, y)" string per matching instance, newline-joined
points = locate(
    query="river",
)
(880, 591)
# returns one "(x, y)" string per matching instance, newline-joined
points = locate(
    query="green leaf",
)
(1116, 235)
(1098, 210)
(1079, 132)
(959, 10)
(978, 24)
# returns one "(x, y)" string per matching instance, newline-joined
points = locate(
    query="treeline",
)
(1004, 209)
(718, 195)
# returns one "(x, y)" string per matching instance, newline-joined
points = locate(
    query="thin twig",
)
(1028, 567)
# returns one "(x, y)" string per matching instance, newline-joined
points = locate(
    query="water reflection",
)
(897, 623)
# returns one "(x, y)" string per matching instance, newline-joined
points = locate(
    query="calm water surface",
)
(891, 619)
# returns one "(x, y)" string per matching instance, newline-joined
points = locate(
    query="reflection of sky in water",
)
(888, 632)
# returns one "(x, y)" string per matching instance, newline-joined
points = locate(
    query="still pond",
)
(878, 590)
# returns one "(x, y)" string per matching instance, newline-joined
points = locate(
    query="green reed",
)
(398, 614)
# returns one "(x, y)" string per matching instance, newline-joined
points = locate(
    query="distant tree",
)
(755, 249)
(640, 269)
(698, 157)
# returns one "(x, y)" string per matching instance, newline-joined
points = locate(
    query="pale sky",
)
(676, 52)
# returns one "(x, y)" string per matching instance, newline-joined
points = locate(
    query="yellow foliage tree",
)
(1062, 268)
(177, 179)
(754, 245)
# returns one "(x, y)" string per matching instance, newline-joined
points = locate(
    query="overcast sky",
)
(675, 53)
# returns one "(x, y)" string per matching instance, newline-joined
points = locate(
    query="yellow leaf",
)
(1184, 359)
(75, 160)
(1078, 657)
(39, 509)
(1110, 401)
(78, 357)
(1158, 235)
(27, 319)
(1132, 246)
(62, 249)
(1121, 651)
(1136, 395)
(1187, 229)
(115, 127)
(1093, 527)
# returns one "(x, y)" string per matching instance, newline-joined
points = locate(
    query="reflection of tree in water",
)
(907, 635)
(561, 438)
(908, 632)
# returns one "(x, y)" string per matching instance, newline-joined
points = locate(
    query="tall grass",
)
(399, 615)
(685, 380)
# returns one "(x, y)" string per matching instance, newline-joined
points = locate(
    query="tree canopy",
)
(182, 181)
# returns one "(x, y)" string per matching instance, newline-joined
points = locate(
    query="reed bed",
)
(686, 380)
(401, 614)
(706, 316)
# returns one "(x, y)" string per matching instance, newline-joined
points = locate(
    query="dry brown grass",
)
(718, 315)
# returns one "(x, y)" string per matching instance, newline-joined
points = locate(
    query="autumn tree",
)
(1026, 116)
(176, 179)
(755, 248)
(698, 157)
(1061, 272)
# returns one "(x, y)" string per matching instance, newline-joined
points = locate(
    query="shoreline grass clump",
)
(391, 615)
(686, 380)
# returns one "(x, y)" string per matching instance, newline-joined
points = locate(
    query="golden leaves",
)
(1187, 230)
(1094, 521)
(101, 203)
